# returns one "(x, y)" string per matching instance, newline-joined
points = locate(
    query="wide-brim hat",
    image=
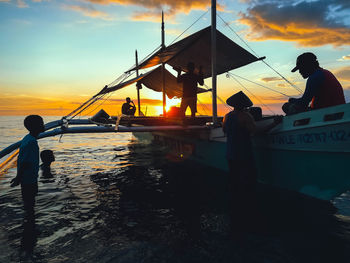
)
(305, 58)
(239, 100)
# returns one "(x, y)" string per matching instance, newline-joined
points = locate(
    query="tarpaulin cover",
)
(196, 48)
(154, 80)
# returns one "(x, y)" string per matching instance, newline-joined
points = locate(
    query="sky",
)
(54, 54)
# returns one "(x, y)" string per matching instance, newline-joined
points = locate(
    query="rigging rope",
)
(98, 105)
(147, 57)
(204, 107)
(87, 106)
(228, 25)
(190, 26)
(224, 102)
(82, 105)
(231, 74)
(221, 100)
(252, 94)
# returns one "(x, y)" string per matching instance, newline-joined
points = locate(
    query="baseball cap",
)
(305, 58)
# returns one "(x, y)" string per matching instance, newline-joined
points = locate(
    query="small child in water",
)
(47, 158)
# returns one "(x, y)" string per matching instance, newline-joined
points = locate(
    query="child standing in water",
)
(47, 158)
(28, 164)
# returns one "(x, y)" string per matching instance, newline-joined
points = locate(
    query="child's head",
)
(34, 124)
(47, 157)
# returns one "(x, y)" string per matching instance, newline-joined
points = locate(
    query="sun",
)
(169, 103)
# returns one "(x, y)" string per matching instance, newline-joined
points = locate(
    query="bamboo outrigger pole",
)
(213, 60)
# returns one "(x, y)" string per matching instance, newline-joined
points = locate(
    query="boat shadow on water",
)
(179, 212)
(156, 208)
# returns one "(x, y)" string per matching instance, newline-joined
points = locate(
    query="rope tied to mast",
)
(291, 84)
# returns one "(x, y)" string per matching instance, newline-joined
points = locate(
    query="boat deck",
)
(162, 121)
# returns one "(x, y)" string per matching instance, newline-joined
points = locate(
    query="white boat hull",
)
(308, 153)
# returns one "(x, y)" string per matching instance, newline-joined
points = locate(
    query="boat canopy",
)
(196, 48)
(154, 80)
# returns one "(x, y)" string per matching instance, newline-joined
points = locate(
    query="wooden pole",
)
(213, 60)
(138, 90)
(163, 68)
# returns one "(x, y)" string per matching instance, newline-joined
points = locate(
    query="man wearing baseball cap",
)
(322, 88)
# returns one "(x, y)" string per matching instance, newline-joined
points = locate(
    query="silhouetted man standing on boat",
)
(322, 87)
(128, 108)
(238, 126)
(189, 81)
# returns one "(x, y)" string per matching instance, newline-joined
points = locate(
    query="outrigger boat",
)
(307, 153)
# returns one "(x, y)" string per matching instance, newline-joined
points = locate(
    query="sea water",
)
(114, 198)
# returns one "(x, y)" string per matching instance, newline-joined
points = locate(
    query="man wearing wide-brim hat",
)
(238, 126)
(322, 88)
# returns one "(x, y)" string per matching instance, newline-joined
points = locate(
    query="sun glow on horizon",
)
(169, 103)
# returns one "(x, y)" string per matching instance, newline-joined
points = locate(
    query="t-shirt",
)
(190, 81)
(323, 89)
(128, 109)
(29, 153)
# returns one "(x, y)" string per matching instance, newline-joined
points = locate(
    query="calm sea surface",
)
(114, 198)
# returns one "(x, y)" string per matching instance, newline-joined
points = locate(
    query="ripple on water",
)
(114, 199)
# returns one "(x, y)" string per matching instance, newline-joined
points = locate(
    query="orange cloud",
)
(25, 105)
(313, 23)
(89, 11)
(343, 73)
(153, 8)
(21, 4)
(174, 6)
(269, 79)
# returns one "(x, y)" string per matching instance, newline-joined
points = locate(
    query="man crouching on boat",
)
(322, 87)
(238, 126)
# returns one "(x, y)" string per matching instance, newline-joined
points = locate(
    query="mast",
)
(163, 68)
(213, 60)
(137, 86)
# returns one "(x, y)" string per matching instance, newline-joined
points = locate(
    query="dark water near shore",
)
(114, 198)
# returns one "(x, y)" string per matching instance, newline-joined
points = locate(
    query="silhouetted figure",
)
(322, 87)
(238, 126)
(47, 158)
(28, 164)
(189, 81)
(128, 108)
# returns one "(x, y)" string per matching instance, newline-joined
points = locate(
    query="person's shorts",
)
(191, 102)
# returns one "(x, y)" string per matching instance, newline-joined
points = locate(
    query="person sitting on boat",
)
(239, 125)
(322, 87)
(128, 107)
(189, 81)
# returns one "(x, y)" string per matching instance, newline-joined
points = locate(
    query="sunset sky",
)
(56, 54)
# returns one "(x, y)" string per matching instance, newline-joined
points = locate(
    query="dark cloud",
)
(308, 23)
